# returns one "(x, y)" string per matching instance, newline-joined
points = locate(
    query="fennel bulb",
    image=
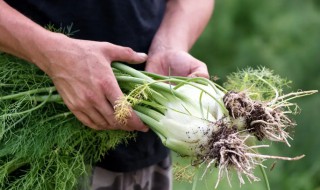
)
(186, 125)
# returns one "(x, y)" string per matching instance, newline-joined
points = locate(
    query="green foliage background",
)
(283, 35)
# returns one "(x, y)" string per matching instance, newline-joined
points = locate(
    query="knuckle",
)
(90, 96)
(86, 98)
(103, 125)
(112, 122)
(78, 106)
(85, 121)
(95, 127)
(128, 51)
(73, 107)
(81, 102)
(99, 126)
(104, 84)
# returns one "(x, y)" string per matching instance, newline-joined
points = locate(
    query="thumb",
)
(199, 71)
(126, 54)
(196, 74)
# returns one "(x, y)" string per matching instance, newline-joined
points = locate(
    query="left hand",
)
(176, 63)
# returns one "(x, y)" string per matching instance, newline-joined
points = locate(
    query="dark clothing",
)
(155, 177)
(130, 23)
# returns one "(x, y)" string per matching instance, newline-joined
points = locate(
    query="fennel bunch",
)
(213, 125)
(43, 146)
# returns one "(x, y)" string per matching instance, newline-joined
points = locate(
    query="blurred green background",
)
(283, 35)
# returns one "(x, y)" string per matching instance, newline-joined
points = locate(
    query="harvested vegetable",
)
(43, 146)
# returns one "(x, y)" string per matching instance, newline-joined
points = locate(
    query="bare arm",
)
(80, 69)
(18, 34)
(183, 22)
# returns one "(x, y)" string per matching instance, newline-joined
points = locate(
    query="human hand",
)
(176, 63)
(81, 71)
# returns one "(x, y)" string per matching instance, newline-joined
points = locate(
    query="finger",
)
(105, 108)
(156, 67)
(199, 74)
(199, 70)
(130, 123)
(134, 122)
(126, 54)
(113, 94)
(97, 118)
(84, 119)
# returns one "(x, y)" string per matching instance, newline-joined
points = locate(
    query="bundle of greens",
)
(43, 146)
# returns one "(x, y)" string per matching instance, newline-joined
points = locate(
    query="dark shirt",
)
(130, 23)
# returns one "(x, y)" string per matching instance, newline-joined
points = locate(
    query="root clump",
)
(229, 151)
(261, 118)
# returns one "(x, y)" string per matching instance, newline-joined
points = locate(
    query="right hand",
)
(81, 71)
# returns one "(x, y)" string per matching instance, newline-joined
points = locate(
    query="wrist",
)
(23, 38)
(159, 45)
(45, 47)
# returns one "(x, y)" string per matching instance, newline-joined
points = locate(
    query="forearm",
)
(22, 37)
(80, 69)
(183, 22)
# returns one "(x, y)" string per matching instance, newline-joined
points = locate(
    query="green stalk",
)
(159, 97)
(140, 75)
(265, 177)
(29, 92)
(4, 130)
(156, 96)
(176, 79)
(160, 108)
(62, 115)
(152, 123)
(157, 85)
(149, 112)
(53, 98)
(7, 85)
(131, 71)
(26, 111)
(161, 86)
(16, 165)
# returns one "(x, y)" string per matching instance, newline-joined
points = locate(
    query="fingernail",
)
(143, 55)
(145, 129)
(194, 75)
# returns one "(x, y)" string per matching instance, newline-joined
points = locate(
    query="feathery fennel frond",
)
(260, 84)
(42, 145)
